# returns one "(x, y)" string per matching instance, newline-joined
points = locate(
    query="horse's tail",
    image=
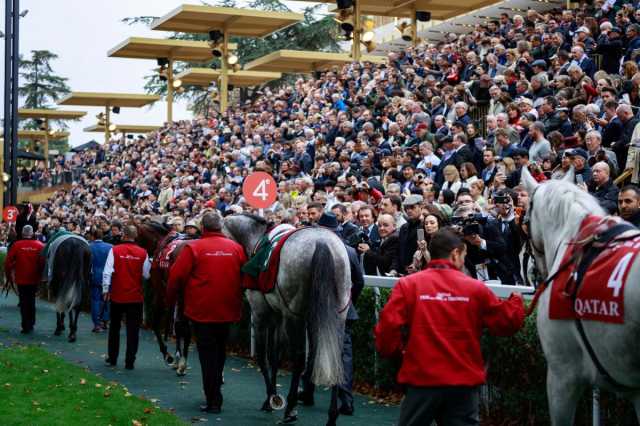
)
(323, 319)
(71, 269)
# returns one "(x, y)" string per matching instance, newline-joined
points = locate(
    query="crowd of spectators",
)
(438, 135)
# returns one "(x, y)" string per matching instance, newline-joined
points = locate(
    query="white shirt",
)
(108, 271)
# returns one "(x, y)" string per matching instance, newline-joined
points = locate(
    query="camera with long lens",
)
(468, 225)
(359, 237)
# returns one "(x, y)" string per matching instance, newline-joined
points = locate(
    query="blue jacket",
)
(99, 252)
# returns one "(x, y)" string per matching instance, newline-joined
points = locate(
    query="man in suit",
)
(408, 235)
(621, 147)
(612, 131)
(583, 61)
(385, 258)
(367, 219)
(456, 153)
(347, 227)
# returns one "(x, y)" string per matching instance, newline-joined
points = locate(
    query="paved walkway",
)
(243, 391)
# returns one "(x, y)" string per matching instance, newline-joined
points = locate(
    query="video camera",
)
(469, 225)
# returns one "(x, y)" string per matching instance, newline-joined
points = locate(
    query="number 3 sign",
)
(10, 214)
(260, 190)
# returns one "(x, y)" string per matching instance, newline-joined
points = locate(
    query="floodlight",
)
(367, 36)
(6, 177)
(177, 83)
(344, 4)
(115, 110)
(232, 59)
(112, 127)
(423, 16)
(216, 36)
(162, 62)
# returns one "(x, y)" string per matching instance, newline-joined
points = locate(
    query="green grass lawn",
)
(38, 388)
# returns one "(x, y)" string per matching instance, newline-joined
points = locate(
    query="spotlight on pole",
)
(163, 62)
(423, 16)
(177, 83)
(344, 4)
(112, 127)
(232, 59)
(115, 110)
(406, 30)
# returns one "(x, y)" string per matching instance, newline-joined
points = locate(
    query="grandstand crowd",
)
(438, 134)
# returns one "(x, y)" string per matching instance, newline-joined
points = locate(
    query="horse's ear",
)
(529, 183)
(570, 176)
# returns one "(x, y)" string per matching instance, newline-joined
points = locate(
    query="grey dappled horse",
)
(557, 210)
(312, 294)
(70, 274)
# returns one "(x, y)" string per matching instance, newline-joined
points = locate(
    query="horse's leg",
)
(275, 400)
(183, 336)
(59, 324)
(298, 356)
(333, 407)
(158, 317)
(73, 323)
(261, 333)
(563, 392)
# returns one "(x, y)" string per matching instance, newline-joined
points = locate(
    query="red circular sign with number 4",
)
(10, 214)
(260, 190)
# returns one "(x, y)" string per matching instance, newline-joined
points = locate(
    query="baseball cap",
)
(577, 152)
(412, 200)
(583, 30)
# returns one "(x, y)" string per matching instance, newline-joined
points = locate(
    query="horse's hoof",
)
(181, 369)
(72, 338)
(266, 407)
(277, 402)
(58, 331)
(168, 359)
(291, 418)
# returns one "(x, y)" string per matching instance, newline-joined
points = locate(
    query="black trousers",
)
(211, 341)
(27, 296)
(447, 405)
(133, 318)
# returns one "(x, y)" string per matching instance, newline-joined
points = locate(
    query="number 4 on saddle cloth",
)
(599, 295)
(261, 271)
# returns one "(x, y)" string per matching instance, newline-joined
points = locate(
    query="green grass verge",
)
(38, 388)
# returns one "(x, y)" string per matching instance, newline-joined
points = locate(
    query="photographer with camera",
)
(408, 233)
(486, 248)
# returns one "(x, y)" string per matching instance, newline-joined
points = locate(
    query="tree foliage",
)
(40, 85)
(313, 33)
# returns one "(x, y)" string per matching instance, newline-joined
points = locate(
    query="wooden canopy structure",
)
(41, 135)
(239, 22)
(45, 115)
(108, 100)
(171, 50)
(124, 128)
(221, 23)
(298, 61)
(204, 77)
(440, 9)
(49, 114)
(153, 48)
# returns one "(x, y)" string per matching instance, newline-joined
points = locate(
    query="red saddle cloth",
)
(266, 280)
(601, 293)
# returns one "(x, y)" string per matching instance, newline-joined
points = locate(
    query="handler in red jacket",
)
(444, 312)
(208, 271)
(23, 266)
(126, 266)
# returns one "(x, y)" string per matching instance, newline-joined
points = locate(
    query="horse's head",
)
(246, 229)
(150, 234)
(556, 210)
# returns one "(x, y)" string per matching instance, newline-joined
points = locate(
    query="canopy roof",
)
(124, 128)
(440, 9)
(53, 114)
(241, 22)
(108, 99)
(41, 134)
(85, 146)
(298, 61)
(153, 48)
(204, 76)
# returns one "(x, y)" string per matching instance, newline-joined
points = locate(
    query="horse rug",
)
(600, 296)
(50, 253)
(162, 260)
(261, 271)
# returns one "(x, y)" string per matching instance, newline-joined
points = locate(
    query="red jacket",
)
(25, 261)
(445, 312)
(126, 280)
(208, 270)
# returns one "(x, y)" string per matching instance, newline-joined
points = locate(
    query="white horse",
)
(556, 212)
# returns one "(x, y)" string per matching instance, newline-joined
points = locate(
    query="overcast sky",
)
(81, 32)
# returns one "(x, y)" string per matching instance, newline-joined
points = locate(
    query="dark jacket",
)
(384, 258)
(635, 219)
(606, 194)
(494, 255)
(408, 244)
(357, 282)
(611, 51)
(612, 132)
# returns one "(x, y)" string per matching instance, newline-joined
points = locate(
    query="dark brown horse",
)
(163, 247)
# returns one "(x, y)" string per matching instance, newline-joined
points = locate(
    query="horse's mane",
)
(159, 227)
(563, 201)
(255, 218)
